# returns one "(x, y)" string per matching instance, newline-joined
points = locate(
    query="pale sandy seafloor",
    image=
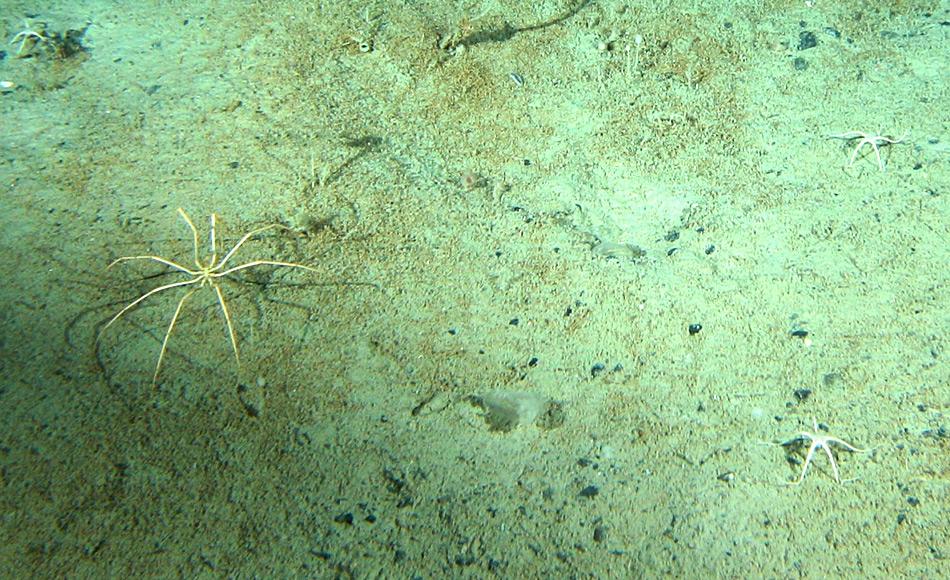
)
(509, 206)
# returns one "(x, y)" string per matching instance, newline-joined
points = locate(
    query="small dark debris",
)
(806, 40)
(833, 32)
(800, 63)
(453, 331)
(672, 236)
(234, 164)
(694, 328)
(913, 501)
(802, 394)
(344, 518)
(799, 333)
(597, 369)
(901, 518)
(672, 251)
(710, 249)
(590, 491)
(394, 482)
(513, 322)
(533, 362)
(600, 534)
(940, 433)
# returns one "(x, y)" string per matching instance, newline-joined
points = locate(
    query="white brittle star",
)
(28, 34)
(822, 442)
(875, 141)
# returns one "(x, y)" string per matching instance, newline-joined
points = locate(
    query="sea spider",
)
(205, 274)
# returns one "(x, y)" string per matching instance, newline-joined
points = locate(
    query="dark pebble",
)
(344, 518)
(807, 40)
(590, 491)
(694, 328)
